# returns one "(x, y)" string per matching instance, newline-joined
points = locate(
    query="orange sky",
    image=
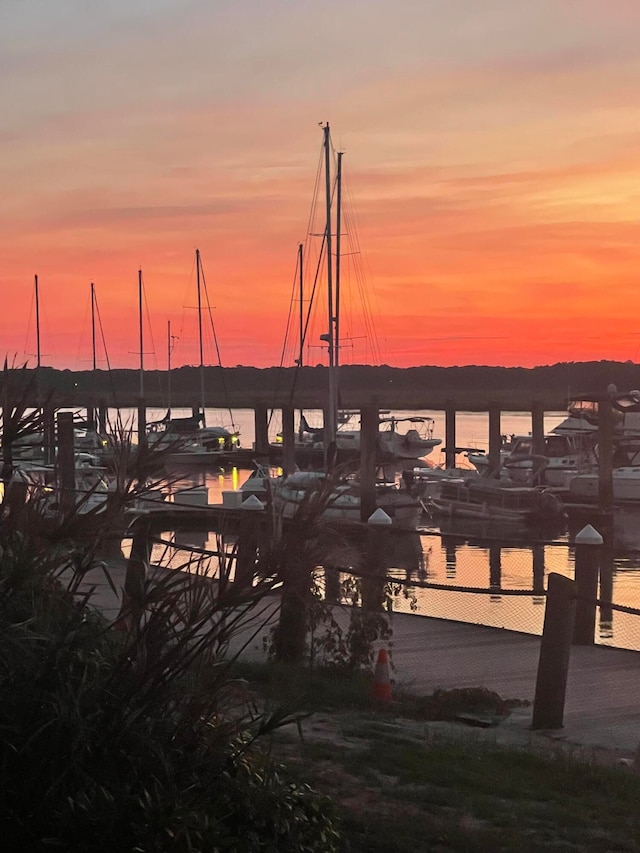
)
(492, 165)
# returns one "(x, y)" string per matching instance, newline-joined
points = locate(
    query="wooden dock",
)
(602, 708)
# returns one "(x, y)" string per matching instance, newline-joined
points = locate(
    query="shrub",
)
(135, 740)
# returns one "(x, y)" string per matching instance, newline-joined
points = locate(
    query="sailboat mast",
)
(301, 301)
(140, 333)
(93, 324)
(198, 264)
(37, 297)
(169, 367)
(331, 426)
(336, 342)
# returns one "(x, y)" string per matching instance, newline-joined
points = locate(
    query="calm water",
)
(483, 557)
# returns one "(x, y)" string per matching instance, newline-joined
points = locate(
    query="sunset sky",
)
(491, 159)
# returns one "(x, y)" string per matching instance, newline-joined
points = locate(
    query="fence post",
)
(555, 648)
(587, 568)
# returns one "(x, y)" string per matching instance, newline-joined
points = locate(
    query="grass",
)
(401, 784)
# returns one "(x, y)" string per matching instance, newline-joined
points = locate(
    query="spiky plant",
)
(136, 735)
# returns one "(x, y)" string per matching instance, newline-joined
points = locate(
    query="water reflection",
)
(492, 558)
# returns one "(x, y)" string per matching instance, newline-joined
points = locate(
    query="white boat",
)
(563, 456)
(626, 485)
(395, 442)
(416, 442)
(343, 504)
(426, 482)
(43, 491)
(188, 442)
(483, 498)
(479, 457)
(585, 486)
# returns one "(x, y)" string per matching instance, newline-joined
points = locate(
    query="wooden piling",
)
(133, 594)
(261, 422)
(495, 440)
(587, 569)
(103, 417)
(605, 456)
(142, 424)
(91, 416)
(555, 648)
(49, 432)
(450, 435)
(66, 462)
(374, 575)
(288, 441)
(369, 427)
(538, 568)
(495, 566)
(331, 585)
(537, 428)
(247, 552)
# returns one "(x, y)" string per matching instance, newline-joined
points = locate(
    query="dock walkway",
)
(602, 708)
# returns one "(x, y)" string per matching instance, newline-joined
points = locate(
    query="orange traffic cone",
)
(381, 689)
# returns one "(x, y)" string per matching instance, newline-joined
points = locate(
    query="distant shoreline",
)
(469, 388)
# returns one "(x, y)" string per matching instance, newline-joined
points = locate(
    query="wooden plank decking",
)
(602, 708)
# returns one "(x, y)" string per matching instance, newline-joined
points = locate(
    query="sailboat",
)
(195, 443)
(399, 438)
(291, 491)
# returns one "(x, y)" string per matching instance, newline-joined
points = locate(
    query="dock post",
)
(378, 527)
(537, 429)
(66, 462)
(331, 585)
(495, 440)
(142, 424)
(606, 591)
(450, 435)
(288, 441)
(538, 568)
(49, 431)
(247, 552)
(605, 456)
(133, 593)
(495, 567)
(369, 428)
(555, 649)
(91, 416)
(587, 569)
(103, 417)
(261, 421)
